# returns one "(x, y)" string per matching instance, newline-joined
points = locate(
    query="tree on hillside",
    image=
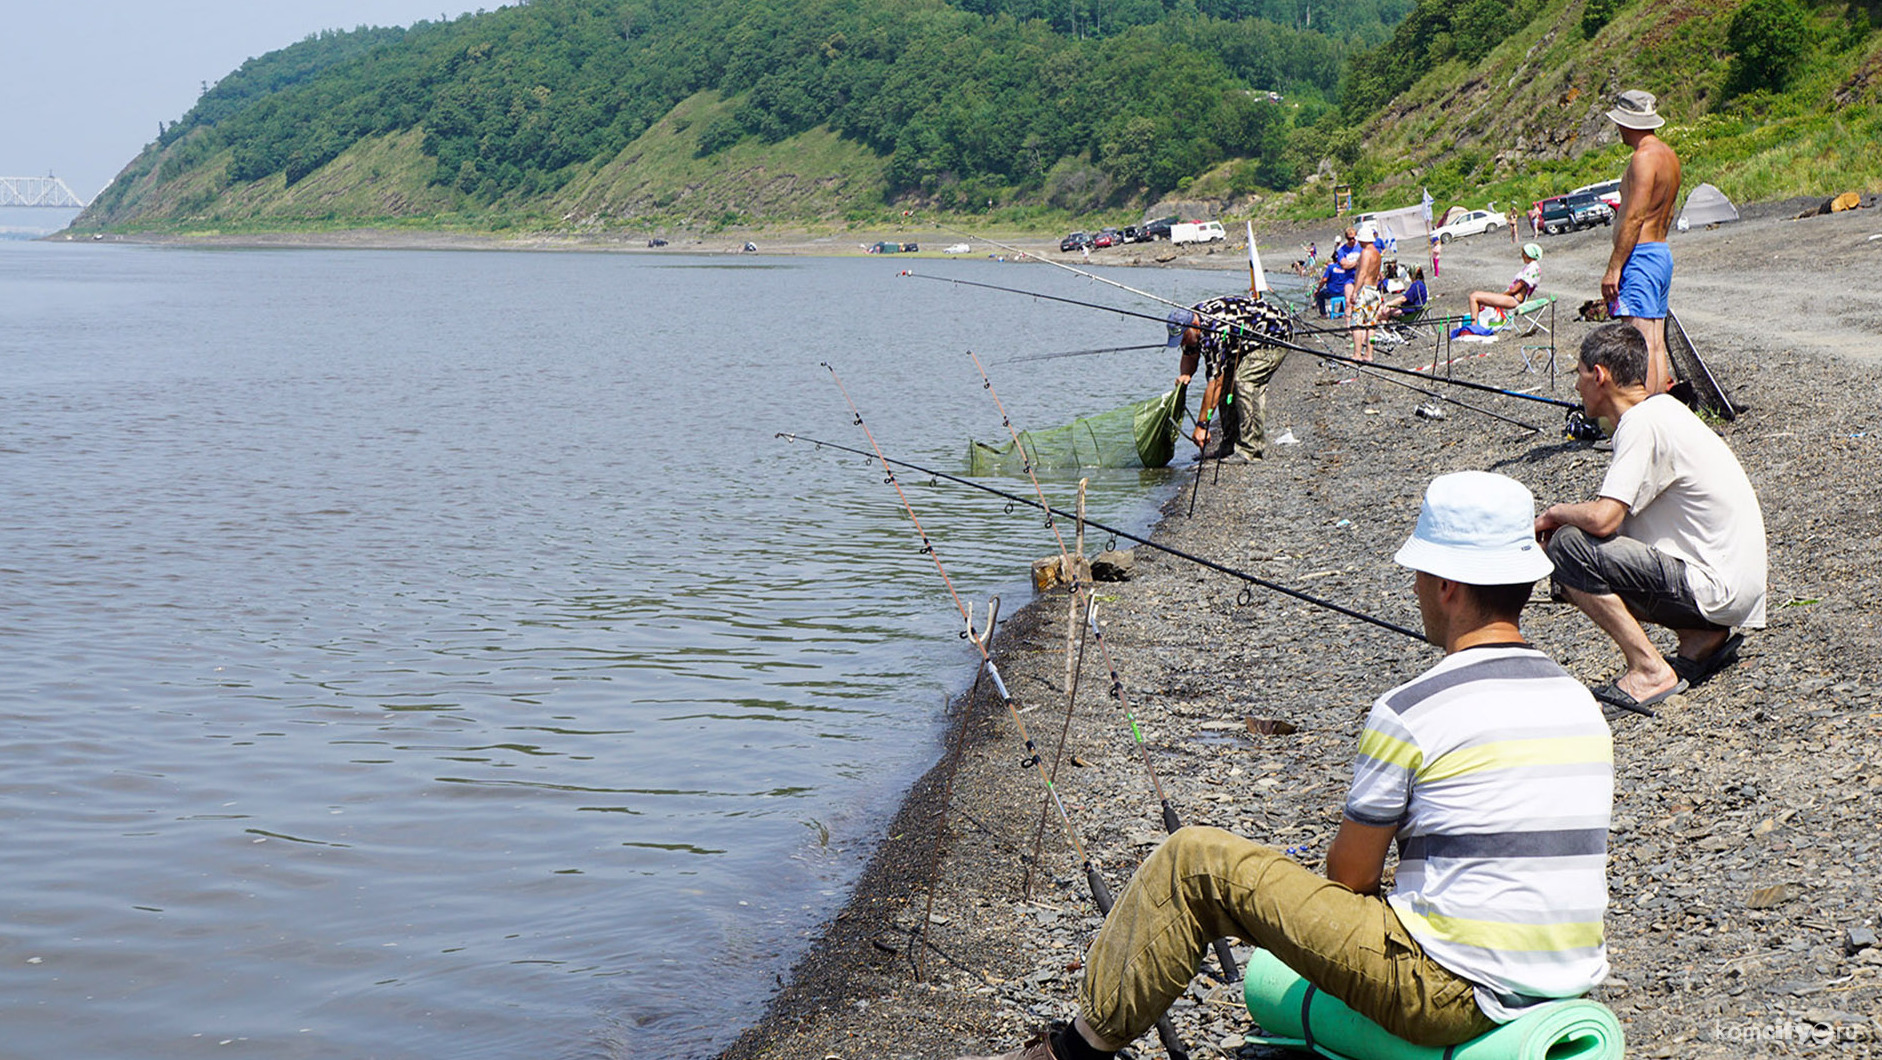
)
(1768, 39)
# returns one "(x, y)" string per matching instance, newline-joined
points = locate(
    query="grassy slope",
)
(657, 180)
(1527, 121)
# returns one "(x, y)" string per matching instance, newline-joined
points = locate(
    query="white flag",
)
(1258, 279)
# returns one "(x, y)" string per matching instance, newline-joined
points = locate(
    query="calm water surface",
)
(426, 654)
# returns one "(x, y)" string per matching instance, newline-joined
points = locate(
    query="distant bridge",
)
(37, 191)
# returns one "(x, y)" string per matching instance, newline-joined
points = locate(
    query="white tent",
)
(1707, 205)
(1408, 226)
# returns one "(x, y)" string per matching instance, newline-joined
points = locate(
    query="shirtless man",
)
(1640, 270)
(1364, 305)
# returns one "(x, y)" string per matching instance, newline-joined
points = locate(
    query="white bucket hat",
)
(1477, 528)
(1633, 109)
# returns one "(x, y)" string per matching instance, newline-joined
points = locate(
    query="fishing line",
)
(1080, 590)
(1014, 498)
(1100, 892)
(1283, 343)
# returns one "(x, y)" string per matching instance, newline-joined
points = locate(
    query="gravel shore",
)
(1744, 865)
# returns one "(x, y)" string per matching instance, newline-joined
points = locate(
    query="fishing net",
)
(1139, 435)
(1691, 370)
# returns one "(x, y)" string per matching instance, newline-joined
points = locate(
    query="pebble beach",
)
(1744, 857)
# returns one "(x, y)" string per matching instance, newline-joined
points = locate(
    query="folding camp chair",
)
(1536, 317)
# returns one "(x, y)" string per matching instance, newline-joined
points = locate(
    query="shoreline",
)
(1740, 872)
(786, 242)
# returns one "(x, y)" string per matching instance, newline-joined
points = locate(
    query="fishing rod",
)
(1441, 397)
(1283, 343)
(1014, 498)
(1365, 369)
(1081, 353)
(1100, 892)
(1061, 265)
(1079, 590)
(947, 793)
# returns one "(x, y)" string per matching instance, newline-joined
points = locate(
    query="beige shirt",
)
(1687, 495)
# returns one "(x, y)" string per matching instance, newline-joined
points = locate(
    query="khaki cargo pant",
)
(1255, 367)
(1204, 883)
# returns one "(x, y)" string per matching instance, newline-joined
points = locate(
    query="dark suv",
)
(1159, 228)
(1075, 241)
(1571, 213)
(1589, 210)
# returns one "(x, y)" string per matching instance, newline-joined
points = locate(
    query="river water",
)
(413, 654)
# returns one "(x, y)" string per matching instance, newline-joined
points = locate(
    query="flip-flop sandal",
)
(1614, 695)
(1698, 671)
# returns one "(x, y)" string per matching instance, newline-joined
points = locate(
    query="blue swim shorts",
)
(1644, 282)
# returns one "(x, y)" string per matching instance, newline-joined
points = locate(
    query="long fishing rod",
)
(1061, 265)
(1081, 353)
(1283, 343)
(1100, 892)
(1251, 579)
(1367, 372)
(1364, 368)
(947, 794)
(1079, 590)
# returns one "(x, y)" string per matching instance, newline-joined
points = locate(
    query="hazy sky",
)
(83, 83)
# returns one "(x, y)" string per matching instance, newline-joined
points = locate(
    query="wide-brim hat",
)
(1478, 528)
(1633, 109)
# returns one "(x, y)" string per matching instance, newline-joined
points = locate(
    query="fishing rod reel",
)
(1582, 427)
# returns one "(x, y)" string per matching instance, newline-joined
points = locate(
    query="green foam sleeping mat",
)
(1276, 994)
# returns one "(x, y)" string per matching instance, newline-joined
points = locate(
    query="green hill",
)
(1477, 100)
(627, 115)
(532, 113)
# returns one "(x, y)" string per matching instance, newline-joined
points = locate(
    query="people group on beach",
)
(1492, 772)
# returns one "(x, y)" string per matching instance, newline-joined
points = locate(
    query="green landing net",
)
(1139, 435)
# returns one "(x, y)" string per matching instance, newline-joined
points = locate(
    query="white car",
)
(1473, 223)
(958, 248)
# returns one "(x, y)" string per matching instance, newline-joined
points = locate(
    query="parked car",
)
(1133, 234)
(1075, 241)
(1159, 228)
(958, 248)
(1589, 210)
(656, 242)
(1476, 222)
(1572, 213)
(1109, 237)
(1608, 191)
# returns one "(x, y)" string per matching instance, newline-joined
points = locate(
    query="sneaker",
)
(1038, 1047)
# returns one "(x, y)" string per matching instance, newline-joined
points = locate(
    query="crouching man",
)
(1676, 536)
(1493, 772)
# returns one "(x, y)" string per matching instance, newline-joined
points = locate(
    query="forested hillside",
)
(631, 114)
(963, 102)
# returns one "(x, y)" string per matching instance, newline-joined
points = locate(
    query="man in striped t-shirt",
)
(1494, 773)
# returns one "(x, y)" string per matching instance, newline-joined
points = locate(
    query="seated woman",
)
(1520, 288)
(1412, 301)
